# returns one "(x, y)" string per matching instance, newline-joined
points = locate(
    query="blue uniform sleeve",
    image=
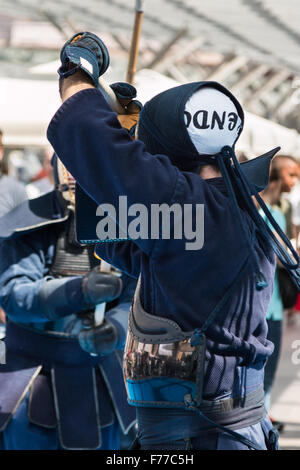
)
(100, 155)
(27, 293)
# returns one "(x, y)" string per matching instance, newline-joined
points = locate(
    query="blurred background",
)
(250, 46)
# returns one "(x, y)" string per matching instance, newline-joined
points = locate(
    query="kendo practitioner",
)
(196, 347)
(62, 385)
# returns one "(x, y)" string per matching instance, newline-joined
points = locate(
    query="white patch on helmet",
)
(212, 120)
(87, 65)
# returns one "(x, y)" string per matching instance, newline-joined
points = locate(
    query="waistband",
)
(158, 425)
(220, 407)
(47, 348)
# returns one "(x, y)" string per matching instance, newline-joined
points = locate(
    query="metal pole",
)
(134, 49)
(165, 49)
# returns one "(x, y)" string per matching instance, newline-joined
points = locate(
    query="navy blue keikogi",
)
(184, 286)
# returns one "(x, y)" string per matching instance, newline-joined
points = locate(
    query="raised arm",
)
(89, 140)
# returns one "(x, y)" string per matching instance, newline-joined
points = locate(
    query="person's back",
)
(191, 288)
(173, 274)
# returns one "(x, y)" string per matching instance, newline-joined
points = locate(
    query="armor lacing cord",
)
(233, 172)
(224, 161)
(245, 190)
(278, 249)
(191, 405)
(197, 340)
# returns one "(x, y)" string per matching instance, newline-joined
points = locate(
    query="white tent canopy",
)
(265, 29)
(26, 107)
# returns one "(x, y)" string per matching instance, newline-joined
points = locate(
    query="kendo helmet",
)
(191, 123)
(198, 124)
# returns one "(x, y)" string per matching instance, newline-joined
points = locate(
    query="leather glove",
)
(125, 94)
(87, 52)
(98, 287)
(100, 340)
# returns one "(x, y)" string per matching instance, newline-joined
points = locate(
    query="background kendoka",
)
(53, 393)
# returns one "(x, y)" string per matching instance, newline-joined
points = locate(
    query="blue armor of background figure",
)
(53, 394)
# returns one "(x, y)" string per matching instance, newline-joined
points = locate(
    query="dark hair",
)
(274, 174)
(4, 164)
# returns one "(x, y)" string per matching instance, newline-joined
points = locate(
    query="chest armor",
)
(71, 258)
